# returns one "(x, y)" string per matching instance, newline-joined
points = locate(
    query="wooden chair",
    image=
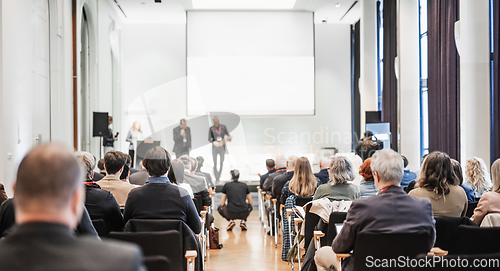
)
(298, 221)
(190, 258)
(275, 222)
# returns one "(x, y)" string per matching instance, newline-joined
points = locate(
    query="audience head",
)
(157, 162)
(303, 182)
(183, 123)
(422, 159)
(457, 169)
(290, 162)
(176, 172)
(125, 173)
(194, 164)
(324, 162)
(100, 165)
(341, 170)
(405, 161)
(87, 160)
(128, 160)
(281, 162)
(476, 173)
(136, 126)
(270, 164)
(187, 163)
(216, 121)
(495, 175)
(365, 170)
(235, 175)
(437, 173)
(114, 162)
(387, 168)
(200, 162)
(49, 186)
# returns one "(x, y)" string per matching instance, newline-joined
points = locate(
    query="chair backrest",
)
(335, 218)
(491, 220)
(301, 201)
(100, 227)
(162, 243)
(470, 209)
(446, 228)
(475, 240)
(198, 202)
(157, 263)
(388, 246)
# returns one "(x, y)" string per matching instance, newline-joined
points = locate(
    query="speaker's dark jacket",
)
(180, 146)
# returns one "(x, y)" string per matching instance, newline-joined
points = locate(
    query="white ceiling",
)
(173, 11)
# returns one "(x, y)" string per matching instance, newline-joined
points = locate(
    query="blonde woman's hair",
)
(495, 175)
(304, 182)
(476, 174)
(341, 170)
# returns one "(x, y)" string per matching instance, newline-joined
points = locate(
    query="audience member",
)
(322, 175)
(303, 182)
(411, 185)
(140, 177)
(197, 183)
(490, 201)
(99, 203)
(100, 166)
(271, 168)
(192, 171)
(367, 147)
(128, 162)
(280, 181)
(440, 185)
(457, 168)
(125, 174)
(176, 176)
(367, 185)
(3, 195)
(48, 199)
(280, 169)
(207, 176)
(339, 187)
(99, 175)
(114, 162)
(158, 198)
(477, 177)
(391, 211)
(408, 175)
(239, 202)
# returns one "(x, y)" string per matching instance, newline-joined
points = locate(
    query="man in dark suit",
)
(281, 180)
(271, 168)
(323, 174)
(182, 139)
(218, 135)
(391, 211)
(49, 202)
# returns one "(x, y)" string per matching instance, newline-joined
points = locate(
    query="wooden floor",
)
(245, 250)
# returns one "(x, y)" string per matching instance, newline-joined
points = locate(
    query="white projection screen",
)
(250, 63)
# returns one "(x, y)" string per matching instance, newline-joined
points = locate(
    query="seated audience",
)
(197, 183)
(48, 199)
(391, 211)
(490, 201)
(457, 168)
(477, 177)
(139, 178)
(411, 185)
(239, 202)
(176, 176)
(158, 198)
(192, 171)
(99, 203)
(99, 175)
(280, 169)
(114, 162)
(303, 182)
(338, 188)
(125, 174)
(367, 185)
(367, 147)
(207, 176)
(322, 175)
(128, 162)
(280, 181)
(439, 183)
(3, 195)
(271, 168)
(408, 175)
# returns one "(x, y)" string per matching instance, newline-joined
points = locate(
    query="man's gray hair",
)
(389, 166)
(292, 159)
(186, 161)
(325, 161)
(280, 162)
(87, 161)
(341, 170)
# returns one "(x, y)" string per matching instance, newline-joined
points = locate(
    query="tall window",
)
(423, 48)
(380, 52)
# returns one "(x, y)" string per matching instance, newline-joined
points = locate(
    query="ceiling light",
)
(338, 5)
(243, 4)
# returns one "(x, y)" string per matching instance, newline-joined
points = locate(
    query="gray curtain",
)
(495, 120)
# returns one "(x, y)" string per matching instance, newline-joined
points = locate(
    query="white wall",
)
(27, 102)
(154, 70)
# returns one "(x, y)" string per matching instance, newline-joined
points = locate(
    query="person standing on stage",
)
(134, 134)
(218, 135)
(109, 140)
(182, 139)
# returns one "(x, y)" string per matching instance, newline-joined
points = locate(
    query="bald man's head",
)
(47, 178)
(216, 121)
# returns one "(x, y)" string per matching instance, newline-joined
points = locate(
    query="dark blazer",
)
(323, 175)
(179, 146)
(49, 246)
(268, 183)
(264, 176)
(279, 182)
(391, 211)
(108, 140)
(162, 201)
(98, 176)
(102, 205)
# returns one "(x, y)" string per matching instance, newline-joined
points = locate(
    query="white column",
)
(408, 82)
(368, 58)
(474, 80)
